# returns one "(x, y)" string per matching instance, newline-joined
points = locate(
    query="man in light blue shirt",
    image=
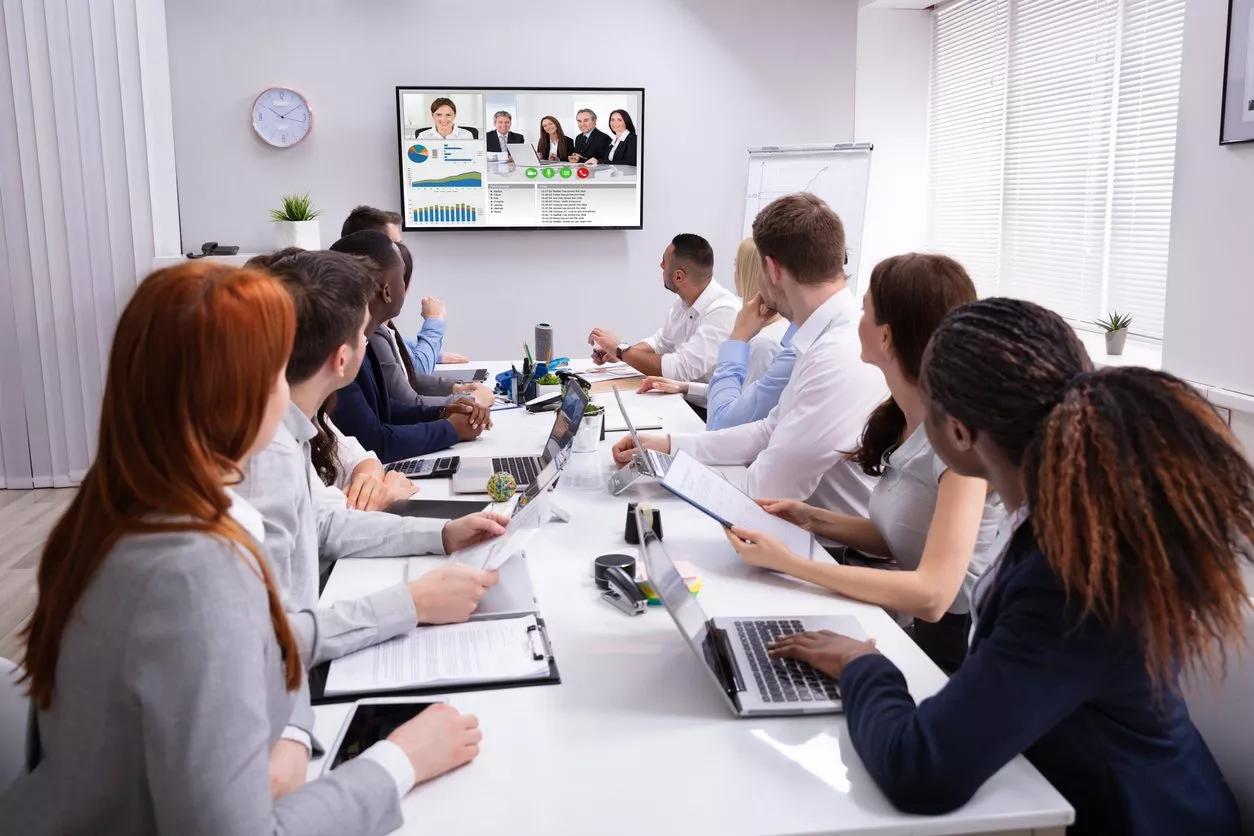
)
(729, 403)
(427, 344)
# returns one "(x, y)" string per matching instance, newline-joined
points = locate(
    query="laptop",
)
(463, 375)
(524, 154)
(733, 650)
(473, 472)
(644, 463)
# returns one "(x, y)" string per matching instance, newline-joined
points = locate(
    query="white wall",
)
(1210, 289)
(720, 75)
(894, 68)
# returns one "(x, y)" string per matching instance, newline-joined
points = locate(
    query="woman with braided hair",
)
(1132, 510)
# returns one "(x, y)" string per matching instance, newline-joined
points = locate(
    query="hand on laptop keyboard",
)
(827, 651)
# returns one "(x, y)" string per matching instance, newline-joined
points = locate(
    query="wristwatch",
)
(618, 352)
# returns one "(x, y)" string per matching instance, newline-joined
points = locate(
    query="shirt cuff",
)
(299, 735)
(680, 441)
(734, 351)
(395, 762)
(394, 611)
(697, 393)
(670, 364)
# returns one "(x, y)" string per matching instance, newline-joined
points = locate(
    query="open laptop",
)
(473, 472)
(524, 154)
(733, 650)
(645, 463)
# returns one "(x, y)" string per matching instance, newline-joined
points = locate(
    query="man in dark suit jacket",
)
(503, 121)
(591, 143)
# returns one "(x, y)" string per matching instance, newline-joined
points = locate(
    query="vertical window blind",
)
(85, 136)
(1052, 141)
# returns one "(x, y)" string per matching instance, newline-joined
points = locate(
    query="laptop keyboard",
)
(420, 467)
(782, 680)
(524, 469)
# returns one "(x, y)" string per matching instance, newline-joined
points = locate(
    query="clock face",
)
(281, 117)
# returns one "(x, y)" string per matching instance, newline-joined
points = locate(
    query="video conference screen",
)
(520, 158)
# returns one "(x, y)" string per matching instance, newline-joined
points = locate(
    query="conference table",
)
(635, 738)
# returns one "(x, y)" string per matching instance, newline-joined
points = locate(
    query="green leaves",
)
(593, 409)
(1114, 321)
(295, 208)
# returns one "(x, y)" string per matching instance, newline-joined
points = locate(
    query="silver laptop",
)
(644, 463)
(524, 154)
(733, 650)
(473, 472)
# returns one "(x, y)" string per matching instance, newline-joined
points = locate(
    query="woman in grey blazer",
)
(159, 661)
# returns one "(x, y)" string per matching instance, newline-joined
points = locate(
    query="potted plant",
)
(1116, 327)
(588, 437)
(550, 384)
(296, 223)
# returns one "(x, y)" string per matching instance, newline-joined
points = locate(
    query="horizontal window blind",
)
(967, 132)
(1051, 150)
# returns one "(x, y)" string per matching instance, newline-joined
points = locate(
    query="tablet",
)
(369, 722)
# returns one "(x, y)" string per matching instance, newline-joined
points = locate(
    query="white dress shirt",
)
(456, 133)
(689, 340)
(798, 450)
(618, 137)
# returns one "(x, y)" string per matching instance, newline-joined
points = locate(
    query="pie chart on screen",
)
(418, 153)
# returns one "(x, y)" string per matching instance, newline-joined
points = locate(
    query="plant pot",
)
(588, 436)
(303, 234)
(543, 389)
(1115, 340)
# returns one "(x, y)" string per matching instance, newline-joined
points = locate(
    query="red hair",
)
(195, 357)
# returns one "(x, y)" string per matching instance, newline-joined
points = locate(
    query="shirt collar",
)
(837, 310)
(712, 291)
(248, 517)
(295, 422)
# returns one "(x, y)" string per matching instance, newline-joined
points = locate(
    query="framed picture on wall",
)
(1237, 120)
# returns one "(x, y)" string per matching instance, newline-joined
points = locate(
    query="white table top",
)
(635, 739)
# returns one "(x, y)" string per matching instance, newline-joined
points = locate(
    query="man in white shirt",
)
(798, 450)
(686, 346)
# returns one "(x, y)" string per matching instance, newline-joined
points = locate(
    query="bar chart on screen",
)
(446, 213)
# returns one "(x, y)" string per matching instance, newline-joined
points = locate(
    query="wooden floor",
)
(25, 518)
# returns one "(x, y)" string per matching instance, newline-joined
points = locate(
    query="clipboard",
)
(318, 675)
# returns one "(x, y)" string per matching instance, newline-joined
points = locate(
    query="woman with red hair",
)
(159, 660)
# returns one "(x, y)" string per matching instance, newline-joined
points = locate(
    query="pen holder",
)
(630, 534)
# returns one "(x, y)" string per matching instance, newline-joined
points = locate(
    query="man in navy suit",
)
(591, 143)
(503, 136)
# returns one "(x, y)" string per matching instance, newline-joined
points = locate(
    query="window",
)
(1052, 143)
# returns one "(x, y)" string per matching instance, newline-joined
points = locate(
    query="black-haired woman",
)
(623, 147)
(1120, 565)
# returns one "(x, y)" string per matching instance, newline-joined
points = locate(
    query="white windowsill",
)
(1136, 352)
(1149, 353)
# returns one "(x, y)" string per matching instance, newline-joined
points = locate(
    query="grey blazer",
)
(169, 694)
(434, 391)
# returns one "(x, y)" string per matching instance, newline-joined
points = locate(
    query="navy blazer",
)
(1071, 694)
(595, 146)
(393, 431)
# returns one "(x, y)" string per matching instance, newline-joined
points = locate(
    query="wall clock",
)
(281, 117)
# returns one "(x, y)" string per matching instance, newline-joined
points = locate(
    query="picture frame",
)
(1236, 121)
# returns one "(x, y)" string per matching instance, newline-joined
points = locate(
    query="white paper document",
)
(513, 593)
(496, 650)
(492, 554)
(708, 491)
(642, 418)
(610, 371)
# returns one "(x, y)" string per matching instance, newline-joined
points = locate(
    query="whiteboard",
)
(836, 173)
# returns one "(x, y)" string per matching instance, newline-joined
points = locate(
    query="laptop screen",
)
(670, 587)
(566, 424)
